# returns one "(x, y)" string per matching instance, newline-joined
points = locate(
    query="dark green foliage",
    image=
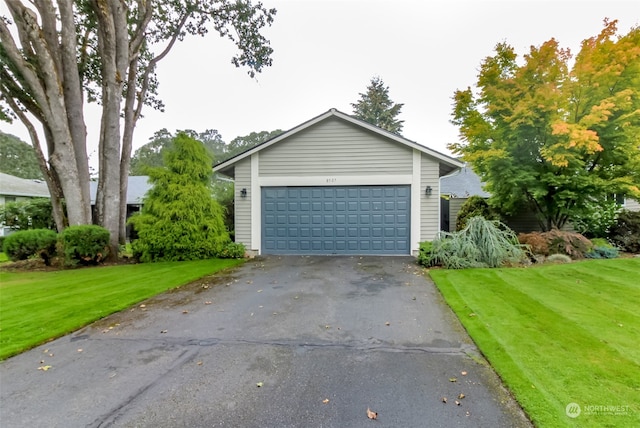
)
(223, 192)
(245, 142)
(375, 107)
(232, 250)
(24, 244)
(482, 243)
(557, 241)
(474, 206)
(18, 158)
(425, 254)
(34, 213)
(85, 244)
(180, 220)
(625, 233)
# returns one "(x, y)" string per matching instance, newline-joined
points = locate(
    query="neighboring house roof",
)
(137, 188)
(462, 184)
(227, 167)
(16, 186)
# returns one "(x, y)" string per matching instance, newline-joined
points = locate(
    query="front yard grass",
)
(558, 334)
(38, 306)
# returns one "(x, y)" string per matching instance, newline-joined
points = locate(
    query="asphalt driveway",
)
(277, 342)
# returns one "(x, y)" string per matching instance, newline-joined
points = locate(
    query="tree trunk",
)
(114, 52)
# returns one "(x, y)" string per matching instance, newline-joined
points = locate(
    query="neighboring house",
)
(16, 189)
(631, 205)
(455, 189)
(137, 188)
(458, 186)
(337, 185)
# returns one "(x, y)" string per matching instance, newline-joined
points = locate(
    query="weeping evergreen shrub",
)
(482, 243)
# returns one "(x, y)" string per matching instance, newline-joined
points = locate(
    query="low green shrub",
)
(85, 244)
(601, 242)
(232, 250)
(625, 233)
(24, 244)
(425, 254)
(474, 206)
(482, 243)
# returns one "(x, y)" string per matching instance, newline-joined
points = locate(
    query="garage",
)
(336, 185)
(336, 220)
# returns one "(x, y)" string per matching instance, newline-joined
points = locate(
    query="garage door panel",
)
(336, 220)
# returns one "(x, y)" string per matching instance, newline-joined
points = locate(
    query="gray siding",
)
(632, 205)
(429, 205)
(334, 147)
(454, 208)
(243, 205)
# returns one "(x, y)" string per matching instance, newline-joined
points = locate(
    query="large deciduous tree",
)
(245, 142)
(553, 133)
(375, 106)
(56, 56)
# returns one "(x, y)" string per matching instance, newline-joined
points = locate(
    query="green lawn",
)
(38, 306)
(3, 257)
(558, 334)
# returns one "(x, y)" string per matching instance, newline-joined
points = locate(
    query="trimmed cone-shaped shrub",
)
(180, 220)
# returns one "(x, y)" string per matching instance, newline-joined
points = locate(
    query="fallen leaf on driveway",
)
(444, 399)
(371, 414)
(387, 323)
(463, 373)
(457, 403)
(143, 306)
(163, 331)
(207, 302)
(44, 368)
(259, 384)
(185, 311)
(325, 401)
(461, 396)
(453, 379)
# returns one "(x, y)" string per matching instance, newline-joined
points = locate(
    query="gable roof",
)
(226, 167)
(16, 186)
(462, 184)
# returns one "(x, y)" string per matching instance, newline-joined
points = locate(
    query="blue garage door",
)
(336, 220)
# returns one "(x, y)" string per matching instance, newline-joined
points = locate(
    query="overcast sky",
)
(326, 52)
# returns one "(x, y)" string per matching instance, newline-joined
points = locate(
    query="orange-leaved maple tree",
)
(554, 133)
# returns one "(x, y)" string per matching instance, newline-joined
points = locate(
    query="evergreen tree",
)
(18, 158)
(180, 220)
(376, 107)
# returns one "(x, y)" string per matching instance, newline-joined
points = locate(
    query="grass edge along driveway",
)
(557, 334)
(38, 306)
